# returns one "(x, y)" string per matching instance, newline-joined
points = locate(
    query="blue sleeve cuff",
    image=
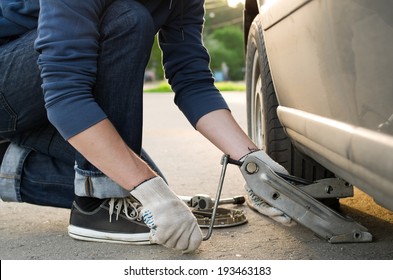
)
(71, 120)
(198, 103)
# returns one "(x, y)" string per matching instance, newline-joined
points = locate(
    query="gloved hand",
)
(171, 222)
(256, 203)
(261, 155)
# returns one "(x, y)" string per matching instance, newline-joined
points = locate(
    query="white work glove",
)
(258, 204)
(261, 155)
(171, 222)
(255, 202)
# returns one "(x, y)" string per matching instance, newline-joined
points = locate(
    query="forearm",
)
(220, 128)
(103, 147)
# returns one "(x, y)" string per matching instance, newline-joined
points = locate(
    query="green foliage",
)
(155, 63)
(225, 45)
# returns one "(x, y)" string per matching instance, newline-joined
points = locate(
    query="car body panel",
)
(360, 156)
(332, 63)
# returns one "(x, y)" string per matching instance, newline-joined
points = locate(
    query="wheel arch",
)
(251, 10)
(280, 146)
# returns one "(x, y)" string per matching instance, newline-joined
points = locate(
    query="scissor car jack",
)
(298, 201)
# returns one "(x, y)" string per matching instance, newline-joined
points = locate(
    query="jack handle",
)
(224, 162)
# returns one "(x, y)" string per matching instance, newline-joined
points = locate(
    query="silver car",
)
(320, 88)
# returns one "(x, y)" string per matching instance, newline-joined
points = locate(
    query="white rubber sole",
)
(98, 236)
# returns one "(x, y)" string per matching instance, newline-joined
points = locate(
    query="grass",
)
(222, 86)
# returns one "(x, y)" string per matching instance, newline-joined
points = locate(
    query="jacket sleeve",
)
(17, 17)
(68, 45)
(186, 62)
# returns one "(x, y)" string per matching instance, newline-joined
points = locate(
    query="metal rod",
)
(224, 163)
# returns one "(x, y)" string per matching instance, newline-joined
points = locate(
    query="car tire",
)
(264, 127)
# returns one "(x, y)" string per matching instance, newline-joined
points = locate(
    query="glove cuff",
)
(244, 157)
(152, 190)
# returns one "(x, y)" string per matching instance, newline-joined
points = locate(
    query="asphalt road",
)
(191, 166)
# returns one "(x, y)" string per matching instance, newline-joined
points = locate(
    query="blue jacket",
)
(17, 17)
(68, 77)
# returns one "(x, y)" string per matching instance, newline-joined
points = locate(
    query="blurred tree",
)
(155, 64)
(219, 14)
(225, 46)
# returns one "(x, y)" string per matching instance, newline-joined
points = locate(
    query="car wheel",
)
(264, 127)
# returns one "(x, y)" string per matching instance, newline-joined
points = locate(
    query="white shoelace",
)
(127, 206)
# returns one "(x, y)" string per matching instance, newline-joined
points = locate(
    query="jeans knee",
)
(130, 19)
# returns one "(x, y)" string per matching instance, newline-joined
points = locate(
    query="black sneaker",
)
(116, 220)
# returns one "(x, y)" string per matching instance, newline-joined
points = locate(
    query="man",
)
(88, 58)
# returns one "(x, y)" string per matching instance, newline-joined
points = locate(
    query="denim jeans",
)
(40, 167)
